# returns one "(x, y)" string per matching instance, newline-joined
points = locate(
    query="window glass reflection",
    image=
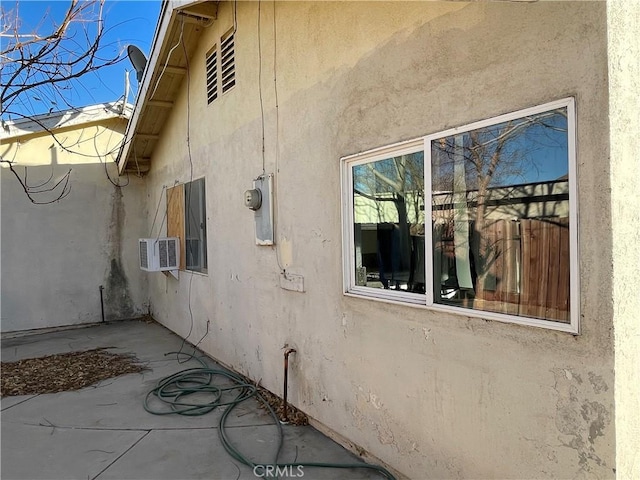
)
(388, 212)
(500, 213)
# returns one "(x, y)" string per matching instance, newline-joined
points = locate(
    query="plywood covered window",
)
(187, 220)
(480, 218)
(175, 217)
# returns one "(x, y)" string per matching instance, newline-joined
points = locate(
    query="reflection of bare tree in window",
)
(501, 164)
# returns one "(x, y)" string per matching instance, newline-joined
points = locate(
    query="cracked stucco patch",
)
(598, 383)
(580, 419)
(370, 411)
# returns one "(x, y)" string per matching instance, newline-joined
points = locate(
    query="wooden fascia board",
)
(201, 9)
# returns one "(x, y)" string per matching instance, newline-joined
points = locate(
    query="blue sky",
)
(126, 22)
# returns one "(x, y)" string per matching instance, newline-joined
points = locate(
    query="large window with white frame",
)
(479, 219)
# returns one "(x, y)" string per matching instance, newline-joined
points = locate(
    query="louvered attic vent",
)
(228, 62)
(212, 75)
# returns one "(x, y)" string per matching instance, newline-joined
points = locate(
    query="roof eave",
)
(196, 11)
(14, 130)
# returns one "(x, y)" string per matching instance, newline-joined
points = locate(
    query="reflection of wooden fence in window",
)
(545, 269)
(527, 268)
(535, 259)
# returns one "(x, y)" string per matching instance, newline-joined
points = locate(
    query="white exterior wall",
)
(56, 256)
(434, 395)
(624, 71)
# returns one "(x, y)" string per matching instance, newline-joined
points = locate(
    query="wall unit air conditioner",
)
(159, 254)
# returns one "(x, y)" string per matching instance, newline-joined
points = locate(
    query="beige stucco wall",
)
(56, 256)
(624, 104)
(434, 395)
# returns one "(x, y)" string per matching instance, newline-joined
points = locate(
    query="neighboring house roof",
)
(15, 130)
(181, 23)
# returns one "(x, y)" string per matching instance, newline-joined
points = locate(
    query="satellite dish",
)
(138, 60)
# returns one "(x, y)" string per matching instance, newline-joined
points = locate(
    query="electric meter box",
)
(264, 214)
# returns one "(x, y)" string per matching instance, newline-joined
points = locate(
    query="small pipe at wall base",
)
(287, 352)
(101, 302)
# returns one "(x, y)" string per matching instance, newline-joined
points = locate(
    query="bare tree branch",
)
(50, 62)
(45, 66)
(35, 190)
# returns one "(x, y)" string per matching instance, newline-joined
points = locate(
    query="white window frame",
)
(426, 300)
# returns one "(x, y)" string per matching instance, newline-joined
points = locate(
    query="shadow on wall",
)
(118, 303)
(55, 256)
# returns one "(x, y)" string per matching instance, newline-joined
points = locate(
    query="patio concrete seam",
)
(122, 454)
(97, 429)
(112, 429)
(115, 429)
(19, 403)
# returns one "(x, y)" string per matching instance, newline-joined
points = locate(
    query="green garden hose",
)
(176, 391)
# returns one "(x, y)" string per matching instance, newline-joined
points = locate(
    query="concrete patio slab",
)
(38, 452)
(103, 432)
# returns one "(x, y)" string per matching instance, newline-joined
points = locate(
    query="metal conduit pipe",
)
(101, 302)
(287, 352)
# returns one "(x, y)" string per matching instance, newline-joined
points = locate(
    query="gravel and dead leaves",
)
(64, 372)
(294, 416)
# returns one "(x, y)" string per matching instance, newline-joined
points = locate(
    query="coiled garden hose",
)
(174, 393)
